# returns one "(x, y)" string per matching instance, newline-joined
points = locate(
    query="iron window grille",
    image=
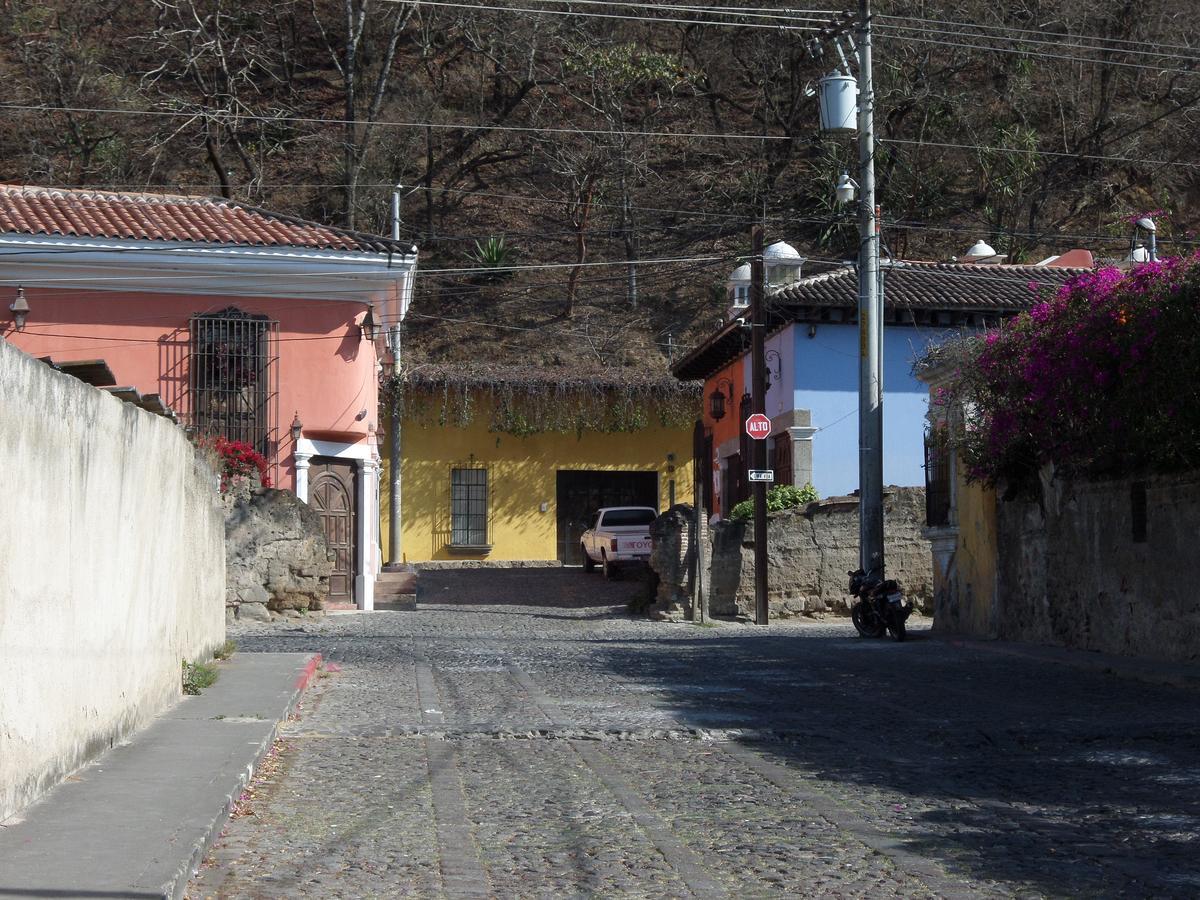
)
(234, 379)
(469, 517)
(937, 480)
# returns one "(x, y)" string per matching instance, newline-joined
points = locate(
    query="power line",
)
(610, 16)
(1045, 34)
(893, 35)
(313, 120)
(925, 29)
(1038, 152)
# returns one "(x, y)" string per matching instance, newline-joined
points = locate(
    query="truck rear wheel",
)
(589, 564)
(610, 570)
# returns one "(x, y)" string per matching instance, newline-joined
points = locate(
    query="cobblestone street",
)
(519, 735)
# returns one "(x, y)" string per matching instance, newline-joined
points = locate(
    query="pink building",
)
(241, 322)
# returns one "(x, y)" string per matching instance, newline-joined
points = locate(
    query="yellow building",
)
(960, 527)
(507, 464)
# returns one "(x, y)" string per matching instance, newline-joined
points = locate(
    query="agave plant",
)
(493, 254)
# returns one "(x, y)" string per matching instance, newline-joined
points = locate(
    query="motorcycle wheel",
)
(896, 627)
(865, 621)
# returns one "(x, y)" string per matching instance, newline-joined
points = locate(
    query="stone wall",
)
(672, 560)
(112, 571)
(1102, 566)
(276, 555)
(810, 550)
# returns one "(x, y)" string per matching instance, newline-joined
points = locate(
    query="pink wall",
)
(326, 372)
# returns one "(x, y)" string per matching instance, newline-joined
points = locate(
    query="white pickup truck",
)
(619, 536)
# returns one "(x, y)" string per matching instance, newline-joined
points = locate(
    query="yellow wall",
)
(975, 558)
(522, 474)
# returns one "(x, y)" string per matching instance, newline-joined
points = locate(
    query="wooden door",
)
(332, 494)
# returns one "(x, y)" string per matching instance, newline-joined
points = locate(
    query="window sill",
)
(469, 548)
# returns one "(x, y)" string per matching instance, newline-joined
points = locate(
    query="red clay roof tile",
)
(167, 217)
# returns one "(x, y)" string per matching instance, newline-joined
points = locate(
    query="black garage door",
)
(581, 493)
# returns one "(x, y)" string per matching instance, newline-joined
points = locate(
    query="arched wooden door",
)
(331, 493)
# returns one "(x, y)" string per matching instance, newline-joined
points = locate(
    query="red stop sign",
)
(758, 427)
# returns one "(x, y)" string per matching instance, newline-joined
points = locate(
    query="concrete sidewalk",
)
(137, 820)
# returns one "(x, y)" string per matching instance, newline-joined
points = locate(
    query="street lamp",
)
(297, 428)
(846, 186)
(20, 309)
(1146, 224)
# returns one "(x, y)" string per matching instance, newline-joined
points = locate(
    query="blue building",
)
(812, 360)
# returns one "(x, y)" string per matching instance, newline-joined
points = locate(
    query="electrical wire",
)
(1058, 58)
(925, 29)
(1008, 29)
(448, 126)
(613, 17)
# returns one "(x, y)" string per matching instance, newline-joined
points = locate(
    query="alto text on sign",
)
(758, 427)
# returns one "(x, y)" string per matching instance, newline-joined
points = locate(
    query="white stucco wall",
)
(112, 571)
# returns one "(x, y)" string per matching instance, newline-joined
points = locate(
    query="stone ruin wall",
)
(809, 551)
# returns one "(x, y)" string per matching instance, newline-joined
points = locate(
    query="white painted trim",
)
(179, 268)
(336, 449)
(802, 432)
(366, 459)
(302, 474)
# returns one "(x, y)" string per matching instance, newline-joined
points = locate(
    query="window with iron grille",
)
(937, 480)
(233, 378)
(469, 507)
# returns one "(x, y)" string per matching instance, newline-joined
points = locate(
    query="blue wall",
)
(826, 383)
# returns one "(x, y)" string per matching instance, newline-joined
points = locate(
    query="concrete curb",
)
(1150, 671)
(175, 886)
(139, 819)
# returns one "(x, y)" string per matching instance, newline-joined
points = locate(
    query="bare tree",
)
(363, 55)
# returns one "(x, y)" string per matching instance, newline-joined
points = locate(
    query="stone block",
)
(254, 612)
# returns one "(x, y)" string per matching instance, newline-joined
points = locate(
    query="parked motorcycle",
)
(881, 605)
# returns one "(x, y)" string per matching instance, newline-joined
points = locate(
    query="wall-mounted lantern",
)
(297, 428)
(776, 372)
(369, 327)
(716, 400)
(20, 309)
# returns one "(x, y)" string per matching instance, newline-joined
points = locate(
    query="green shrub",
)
(226, 650)
(783, 496)
(197, 677)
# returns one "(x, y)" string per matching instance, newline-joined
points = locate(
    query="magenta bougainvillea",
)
(239, 460)
(1101, 378)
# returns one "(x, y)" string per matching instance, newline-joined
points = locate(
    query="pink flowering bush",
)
(1100, 379)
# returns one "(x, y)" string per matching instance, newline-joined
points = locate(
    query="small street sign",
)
(758, 427)
(762, 474)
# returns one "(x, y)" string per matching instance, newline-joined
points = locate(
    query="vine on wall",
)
(537, 405)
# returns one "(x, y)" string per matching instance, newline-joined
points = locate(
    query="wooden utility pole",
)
(758, 404)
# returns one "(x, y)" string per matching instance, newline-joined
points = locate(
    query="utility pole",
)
(395, 548)
(870, 318)
(758, 403)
